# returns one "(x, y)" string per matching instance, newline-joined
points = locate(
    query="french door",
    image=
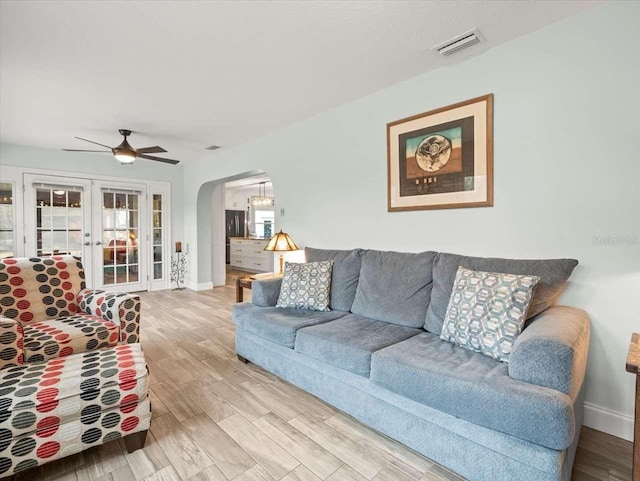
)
(102, 222)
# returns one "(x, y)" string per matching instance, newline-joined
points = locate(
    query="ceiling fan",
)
(127, 154)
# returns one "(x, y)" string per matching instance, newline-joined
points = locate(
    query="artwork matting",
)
(443, 158)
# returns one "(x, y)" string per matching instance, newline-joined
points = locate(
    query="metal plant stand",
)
(179, 270)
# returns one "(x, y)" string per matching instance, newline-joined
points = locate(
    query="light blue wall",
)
(95, 164)
(567, 103)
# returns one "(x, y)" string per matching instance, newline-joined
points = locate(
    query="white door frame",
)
(143, 236)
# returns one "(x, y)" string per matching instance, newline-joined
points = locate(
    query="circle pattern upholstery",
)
(52, 409)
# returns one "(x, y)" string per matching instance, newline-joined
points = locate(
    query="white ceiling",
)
(189, 74)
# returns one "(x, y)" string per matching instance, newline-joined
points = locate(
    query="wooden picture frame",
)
(442, 159)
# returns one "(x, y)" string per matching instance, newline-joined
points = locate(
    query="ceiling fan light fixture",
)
(125, 157)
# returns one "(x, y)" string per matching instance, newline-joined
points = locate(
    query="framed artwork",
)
(442, 159)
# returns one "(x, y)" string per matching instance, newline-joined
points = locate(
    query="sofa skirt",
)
(475, 452)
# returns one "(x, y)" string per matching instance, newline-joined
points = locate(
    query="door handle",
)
(98, 243)
(88, 243)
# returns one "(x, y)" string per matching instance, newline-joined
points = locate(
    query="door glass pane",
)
(120, 237)
(132, 201)
(6, 220)
(58, 221)
(157, 270)
(157, 237)
(121, 201)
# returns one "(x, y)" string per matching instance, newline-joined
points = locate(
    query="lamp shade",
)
(281, 242)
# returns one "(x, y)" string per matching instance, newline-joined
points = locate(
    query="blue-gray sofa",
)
(377, 356)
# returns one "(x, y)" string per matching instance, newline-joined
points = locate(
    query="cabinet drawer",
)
(257, 264)
(238, 249)
(251, 263)
(254, 251)
(239, 261)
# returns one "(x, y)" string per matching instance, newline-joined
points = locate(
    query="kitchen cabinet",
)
(249, 255)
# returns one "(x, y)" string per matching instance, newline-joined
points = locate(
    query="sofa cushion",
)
(476, 388)
(487, 310)
(344, 279)
(348, 342)
(553, 274)
(306, 286)
(278, 325)
(394, 287)
(67, 335)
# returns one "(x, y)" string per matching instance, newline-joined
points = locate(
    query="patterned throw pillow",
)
(487, 310)
(306, 286)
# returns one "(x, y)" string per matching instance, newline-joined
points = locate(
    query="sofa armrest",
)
(118, 307)
(11, 343)
(552, 351)
(265, 292)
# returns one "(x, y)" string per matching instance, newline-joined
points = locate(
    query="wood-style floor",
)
(217, 419)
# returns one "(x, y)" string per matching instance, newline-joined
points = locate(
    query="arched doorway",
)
(212, 229)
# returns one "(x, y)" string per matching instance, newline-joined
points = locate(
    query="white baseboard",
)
(203, 286)
(611, 422)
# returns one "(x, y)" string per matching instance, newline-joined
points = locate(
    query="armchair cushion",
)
(11, 342)
(67, 335)
(39, 287)
(118, 307)
(552, 351)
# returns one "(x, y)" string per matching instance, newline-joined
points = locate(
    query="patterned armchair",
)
(46, 311)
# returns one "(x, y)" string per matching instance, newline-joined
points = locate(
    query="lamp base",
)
(281, 264)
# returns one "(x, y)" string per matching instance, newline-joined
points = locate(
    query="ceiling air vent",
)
(213, 147)
(459, 42)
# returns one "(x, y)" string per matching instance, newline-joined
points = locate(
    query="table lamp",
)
(281, 242)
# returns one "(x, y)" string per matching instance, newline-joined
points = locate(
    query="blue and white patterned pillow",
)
(487, 310)
(306, 286)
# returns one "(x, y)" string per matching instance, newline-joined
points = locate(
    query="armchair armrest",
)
(118, 307)
(265, 292)
(11, 343)
(552, 351)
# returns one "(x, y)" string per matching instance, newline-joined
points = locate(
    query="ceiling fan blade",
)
(86, 140)
(77, 150)
(159, 159)
(151, 150)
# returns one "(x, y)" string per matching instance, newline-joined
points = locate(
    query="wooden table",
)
(633, 366)
(242, 283)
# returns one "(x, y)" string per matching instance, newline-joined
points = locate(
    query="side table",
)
(242, 283)
(633, 366)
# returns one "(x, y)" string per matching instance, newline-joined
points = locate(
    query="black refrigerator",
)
(235, 227)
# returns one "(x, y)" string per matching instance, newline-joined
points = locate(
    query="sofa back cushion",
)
(553, 274)
(395, 287)
(40, 288)
(344, 278)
